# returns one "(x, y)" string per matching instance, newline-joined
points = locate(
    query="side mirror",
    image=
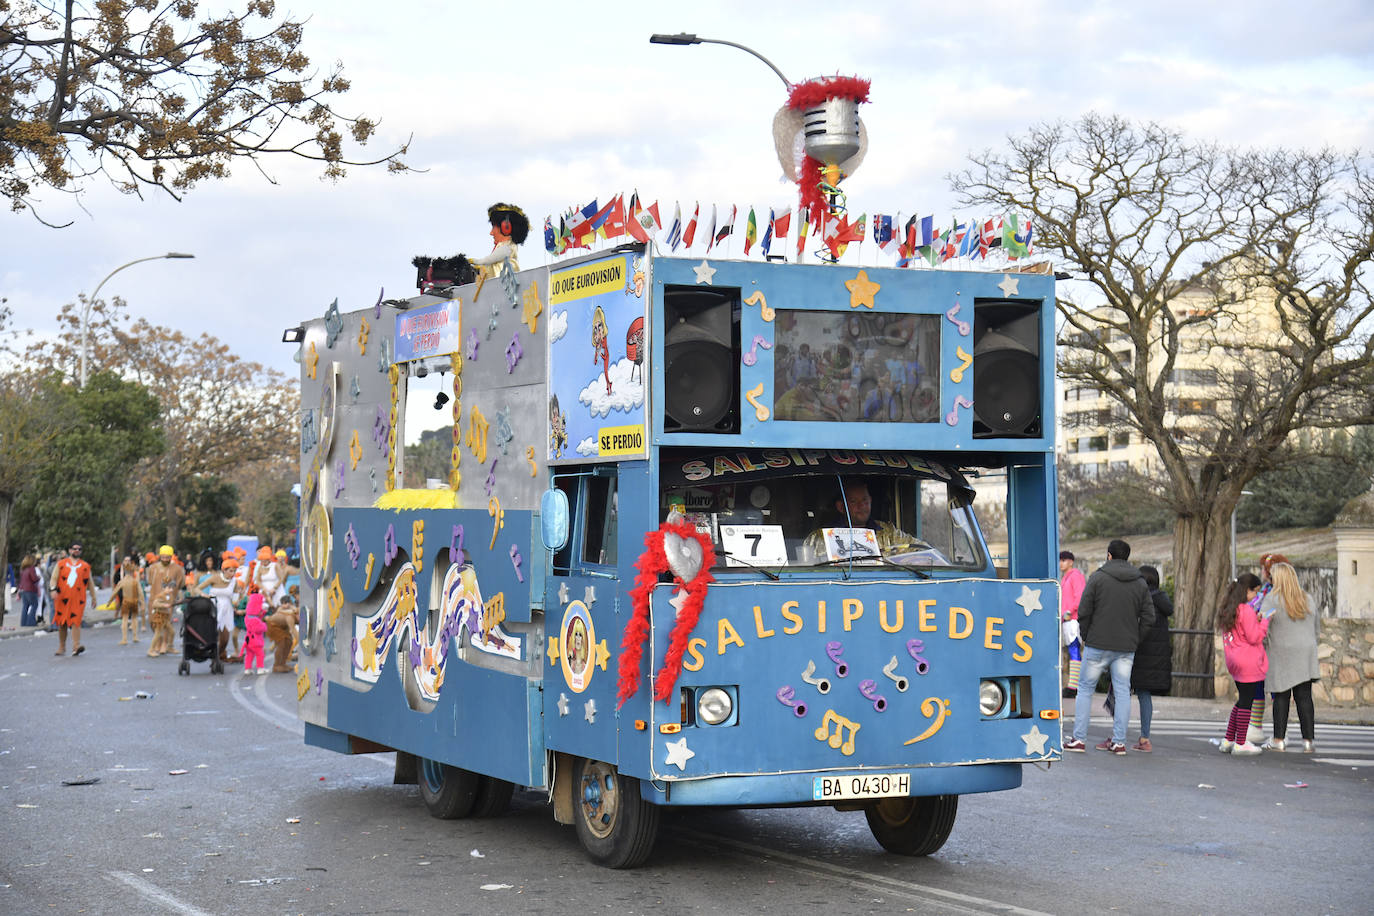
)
(553, 511)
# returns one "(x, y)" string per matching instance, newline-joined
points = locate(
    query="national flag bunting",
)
(751, 231)
(728, 228)
(781, 223)
(689, 234)
(675, 230)
(632, 224)
(613, 227)
(711, 230)
(884, 235)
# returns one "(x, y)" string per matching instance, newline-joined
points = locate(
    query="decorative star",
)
(562, 704)
(554, 651)
(589, 711)
(1035, 741)
(679, 753)
(1029, 600)
(861, 290)
(563, 593)
(704, 273)
(677, 601)
(1008, 285)
(319, 681)
(603, 655)
(589, 596)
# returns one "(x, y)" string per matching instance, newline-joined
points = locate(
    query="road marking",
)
(949, 901)
(278, 715)
(1345, 761)
(152, 892)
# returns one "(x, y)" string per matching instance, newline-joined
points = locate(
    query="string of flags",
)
(915, 242)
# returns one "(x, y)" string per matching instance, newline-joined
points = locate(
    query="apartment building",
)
(1213, 365)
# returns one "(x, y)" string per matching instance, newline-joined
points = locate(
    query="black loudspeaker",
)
(1006, 369)
(701, 359)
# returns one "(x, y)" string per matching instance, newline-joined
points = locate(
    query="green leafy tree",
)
(145, 93)
(207, 505)
(1174, 239)
(82, 480)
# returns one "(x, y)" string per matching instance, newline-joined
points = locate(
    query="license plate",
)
(861, 785)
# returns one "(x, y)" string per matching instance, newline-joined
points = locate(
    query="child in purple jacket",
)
(1242, 633)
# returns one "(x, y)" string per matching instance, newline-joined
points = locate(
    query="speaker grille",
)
(700, 384)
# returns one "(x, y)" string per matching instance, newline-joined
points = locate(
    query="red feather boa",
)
(651, 564)
(801, 96)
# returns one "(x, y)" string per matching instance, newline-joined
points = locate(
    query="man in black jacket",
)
(1115, 611)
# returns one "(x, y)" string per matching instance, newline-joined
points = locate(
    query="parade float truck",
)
(705, 536)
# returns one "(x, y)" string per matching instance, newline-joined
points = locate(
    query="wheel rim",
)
(432, 772)
(895, 812)
(600, 799)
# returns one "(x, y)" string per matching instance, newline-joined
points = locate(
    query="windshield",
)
(810, 513)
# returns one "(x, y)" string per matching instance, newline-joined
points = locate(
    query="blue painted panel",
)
(579, 695)
(742, 639)
(494, 565)
(482, 721)
(793, 286)
(746, 791)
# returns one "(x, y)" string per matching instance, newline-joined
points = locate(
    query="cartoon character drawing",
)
(558, 428)
(601, 348)
(634, 348)
(635, 285)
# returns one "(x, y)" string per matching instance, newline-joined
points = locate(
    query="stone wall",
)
(1345, 654)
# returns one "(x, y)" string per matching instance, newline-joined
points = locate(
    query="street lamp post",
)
(686, 38)
(86, 310)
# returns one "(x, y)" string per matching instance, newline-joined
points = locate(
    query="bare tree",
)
(140, 93)
(1263, 258)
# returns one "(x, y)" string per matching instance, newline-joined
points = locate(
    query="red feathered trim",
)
(809, 187)
(801, 96)
(651, 564)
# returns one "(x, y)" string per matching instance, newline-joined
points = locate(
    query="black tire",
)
(184, 668)
(493, 797)
(913, 826)
(615, 825)
(216, 666)
(448, 791)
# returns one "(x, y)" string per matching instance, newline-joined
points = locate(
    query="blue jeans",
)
(1095, 661)
(28, 616)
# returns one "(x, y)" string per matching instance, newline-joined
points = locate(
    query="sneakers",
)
(1115, 747)
(1255, 735)
(1307, 747)
(1073, 744)
(1246, 750)
(1143, 745)
(1226, 746)
(1275, 744)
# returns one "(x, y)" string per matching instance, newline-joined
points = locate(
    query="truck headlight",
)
(714, 706)
(991, 698)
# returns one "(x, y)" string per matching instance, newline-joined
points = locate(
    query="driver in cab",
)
(860, 515)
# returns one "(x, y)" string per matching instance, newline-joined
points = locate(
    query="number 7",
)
(755, 540)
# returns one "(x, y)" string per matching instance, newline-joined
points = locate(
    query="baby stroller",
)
(200, 636)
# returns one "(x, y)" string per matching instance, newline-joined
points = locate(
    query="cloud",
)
(625, 395)
(587, 446)
(558, 325)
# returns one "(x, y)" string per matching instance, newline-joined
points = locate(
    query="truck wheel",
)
(615, 826)
(493, 797)
(913, 826)
(448, 792)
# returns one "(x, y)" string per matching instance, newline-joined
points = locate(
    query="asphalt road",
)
(259, 823)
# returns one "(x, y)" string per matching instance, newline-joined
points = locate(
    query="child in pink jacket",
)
(1242, 633)
(253, 643)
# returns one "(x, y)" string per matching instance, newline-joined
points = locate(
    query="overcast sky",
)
(560, 103)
